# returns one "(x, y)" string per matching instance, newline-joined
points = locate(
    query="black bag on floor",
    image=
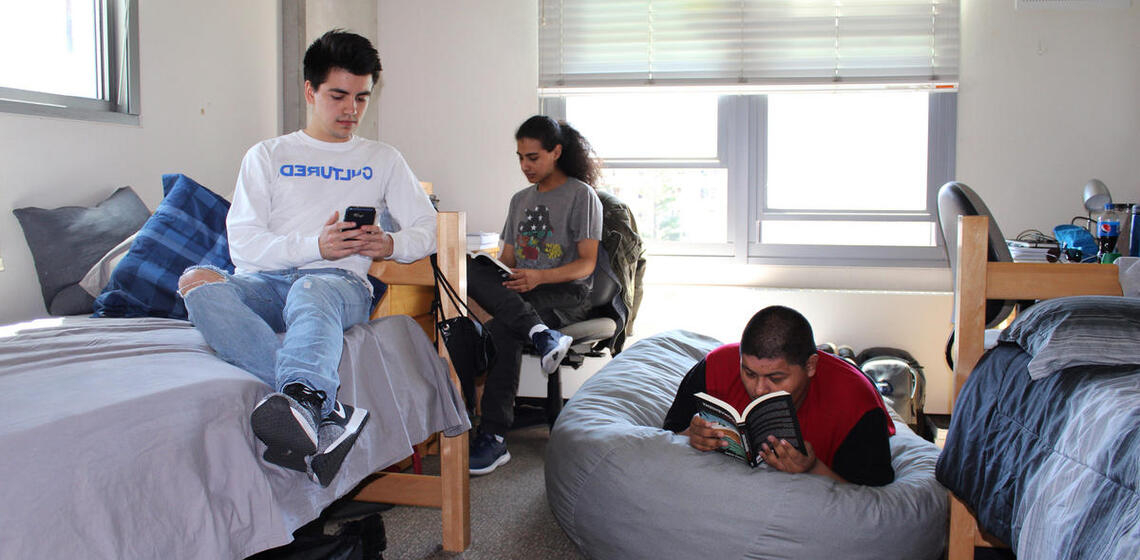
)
(346, 530)
(467, 339)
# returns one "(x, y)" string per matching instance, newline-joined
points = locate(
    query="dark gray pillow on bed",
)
(66, 242)
(1075, 331)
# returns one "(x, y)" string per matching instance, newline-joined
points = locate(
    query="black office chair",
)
(594, 335)
(956, 199)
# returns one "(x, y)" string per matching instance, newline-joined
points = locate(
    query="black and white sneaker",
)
(552, 346)
(286, 423)
(338, 432)
(286, 458)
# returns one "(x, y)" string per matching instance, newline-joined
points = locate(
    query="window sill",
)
(707, 271)
(68, 113)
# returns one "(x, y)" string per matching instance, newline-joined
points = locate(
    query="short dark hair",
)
(340, 49)
(778, 332)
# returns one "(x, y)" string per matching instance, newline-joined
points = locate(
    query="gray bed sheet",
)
(129, 438)
(622, 487)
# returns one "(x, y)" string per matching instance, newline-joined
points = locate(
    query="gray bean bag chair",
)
(622, 487)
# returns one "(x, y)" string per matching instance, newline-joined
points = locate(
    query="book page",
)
(727, 409)
(483, 257)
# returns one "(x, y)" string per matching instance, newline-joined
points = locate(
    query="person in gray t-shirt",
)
(550, 242)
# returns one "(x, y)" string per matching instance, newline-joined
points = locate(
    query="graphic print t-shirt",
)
(545, 227)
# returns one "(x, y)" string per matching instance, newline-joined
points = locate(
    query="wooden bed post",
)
(453, 450)
(969, 299)
(450, 491)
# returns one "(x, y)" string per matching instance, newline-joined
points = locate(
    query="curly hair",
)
(577, 160)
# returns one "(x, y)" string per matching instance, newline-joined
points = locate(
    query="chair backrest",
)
(605, 282)
(956, 199)
(607, 314)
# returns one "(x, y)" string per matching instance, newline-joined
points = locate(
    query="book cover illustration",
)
(772, 414)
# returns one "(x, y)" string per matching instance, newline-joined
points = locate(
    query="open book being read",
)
(771, 414)
(486, 258)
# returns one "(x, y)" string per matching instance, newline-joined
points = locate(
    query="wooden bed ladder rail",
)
(450, 491)
(977, 281)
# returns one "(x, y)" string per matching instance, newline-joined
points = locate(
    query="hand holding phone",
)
(360, 215)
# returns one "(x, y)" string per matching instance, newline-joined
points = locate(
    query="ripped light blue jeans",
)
(240, 318)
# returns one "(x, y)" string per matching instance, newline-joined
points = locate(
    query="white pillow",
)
(96, 279)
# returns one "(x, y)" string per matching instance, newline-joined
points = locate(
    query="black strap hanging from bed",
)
(468, 342)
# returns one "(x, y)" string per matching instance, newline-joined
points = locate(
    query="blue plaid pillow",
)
(188, 228)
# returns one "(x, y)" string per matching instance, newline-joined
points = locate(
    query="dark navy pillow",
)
(188, 228)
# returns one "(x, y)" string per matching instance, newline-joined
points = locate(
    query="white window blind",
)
(616, 43)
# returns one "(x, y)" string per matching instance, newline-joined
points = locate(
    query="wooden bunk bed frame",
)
(979, 280)
(411, 288)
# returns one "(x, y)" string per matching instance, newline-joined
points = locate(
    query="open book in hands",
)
(486, 258)
(771, 414)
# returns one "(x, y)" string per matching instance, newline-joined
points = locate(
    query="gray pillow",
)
(1077, 331)
(66, 242)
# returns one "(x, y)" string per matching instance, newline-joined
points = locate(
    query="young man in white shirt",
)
(301, 270)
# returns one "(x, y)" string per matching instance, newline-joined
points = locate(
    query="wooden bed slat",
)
(1045, 281)
(978, 280)
(417, 273)
(403, 489)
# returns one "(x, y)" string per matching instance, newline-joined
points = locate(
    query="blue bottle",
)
(1134, 232)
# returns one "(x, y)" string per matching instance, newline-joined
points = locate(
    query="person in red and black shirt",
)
(844, 421)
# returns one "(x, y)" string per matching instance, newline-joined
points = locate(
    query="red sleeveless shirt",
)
(837, 397)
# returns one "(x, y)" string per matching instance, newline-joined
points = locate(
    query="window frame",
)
(741, 149)
(118, 73)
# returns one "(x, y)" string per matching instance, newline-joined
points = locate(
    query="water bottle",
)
(1134, 237)
(1107, 232)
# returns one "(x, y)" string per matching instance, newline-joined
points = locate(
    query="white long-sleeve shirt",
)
(289, 186)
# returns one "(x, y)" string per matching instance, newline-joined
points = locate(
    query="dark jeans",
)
(515, 314)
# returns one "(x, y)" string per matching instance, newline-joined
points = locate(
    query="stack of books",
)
(1033, 251)
(482, 240)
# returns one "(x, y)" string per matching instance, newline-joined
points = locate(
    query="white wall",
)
(1049, 99)
(459, 77)
(209, 91)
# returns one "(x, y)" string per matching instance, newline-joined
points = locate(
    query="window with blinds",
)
(603, 43)
(765, 131)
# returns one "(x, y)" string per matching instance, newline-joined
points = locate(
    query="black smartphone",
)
(360, 215)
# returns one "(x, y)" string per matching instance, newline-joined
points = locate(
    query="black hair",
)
(340, 49)
(778, 332)
(577, 159)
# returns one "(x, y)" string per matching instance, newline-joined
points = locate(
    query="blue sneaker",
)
(552, 346)
(488, 452)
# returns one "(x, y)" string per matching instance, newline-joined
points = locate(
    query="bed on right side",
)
(1043, 452)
